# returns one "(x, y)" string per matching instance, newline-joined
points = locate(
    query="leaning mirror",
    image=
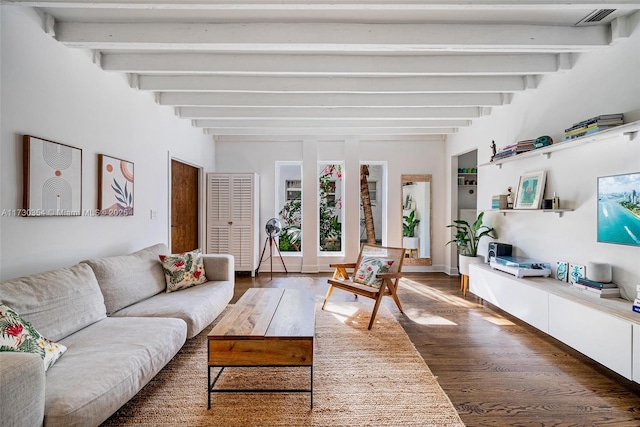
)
(416, 219)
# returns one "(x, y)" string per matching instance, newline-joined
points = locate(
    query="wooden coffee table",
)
(266, 328)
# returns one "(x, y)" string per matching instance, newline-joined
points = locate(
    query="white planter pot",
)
(411, 242)
(464, 261)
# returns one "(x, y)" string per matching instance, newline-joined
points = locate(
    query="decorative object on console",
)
(599, 272)
(52, 178)
(619, 209)
(576, 271)
(115, 186)
(530, 190)
(498, 249)
(562, 271)
(547, 203)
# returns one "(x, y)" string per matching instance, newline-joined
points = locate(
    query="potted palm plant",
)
(409, 224)
(467, 238)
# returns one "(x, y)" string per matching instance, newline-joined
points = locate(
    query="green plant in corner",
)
(409, 224)
(468, 237)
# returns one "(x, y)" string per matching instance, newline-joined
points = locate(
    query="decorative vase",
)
(464, 261)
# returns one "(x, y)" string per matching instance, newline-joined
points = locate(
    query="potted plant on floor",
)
(467, 238)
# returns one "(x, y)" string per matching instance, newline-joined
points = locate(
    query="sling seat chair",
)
(376, 274)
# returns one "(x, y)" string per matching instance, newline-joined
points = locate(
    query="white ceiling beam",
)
(303, 100)
(340, 113)
(317, 65)
(332, 37)
(330, 130)
(321, 123)
(452, 84)
(332, 5)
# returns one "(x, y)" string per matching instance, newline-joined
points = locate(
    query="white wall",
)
(401, 157)
(601, 82)
(56, 93)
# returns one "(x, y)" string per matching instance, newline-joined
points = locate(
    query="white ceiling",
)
(414, 68)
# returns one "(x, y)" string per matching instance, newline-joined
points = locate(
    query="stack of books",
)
(597, 289)
(499, 201)
(514, 149)
(636, 302)
(593, 125)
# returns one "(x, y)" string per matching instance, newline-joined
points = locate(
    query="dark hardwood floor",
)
(497, 370)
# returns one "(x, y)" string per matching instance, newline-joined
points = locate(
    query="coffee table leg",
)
(311, 388)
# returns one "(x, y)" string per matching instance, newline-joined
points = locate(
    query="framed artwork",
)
(576, 272)
(52, 178)
(115, 186)
(562, 271)
(619, 209)
(530, 190)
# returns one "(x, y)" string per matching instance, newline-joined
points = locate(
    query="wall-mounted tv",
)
(619, 209)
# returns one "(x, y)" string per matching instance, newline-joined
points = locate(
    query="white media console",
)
(604, 329)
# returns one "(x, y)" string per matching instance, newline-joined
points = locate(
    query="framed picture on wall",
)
(619, 209)
(530, 190)
(52, 178)
(115, 186)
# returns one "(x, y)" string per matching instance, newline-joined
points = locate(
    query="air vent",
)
(595, 17)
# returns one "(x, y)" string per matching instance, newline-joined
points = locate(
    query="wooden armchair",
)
(376, 274)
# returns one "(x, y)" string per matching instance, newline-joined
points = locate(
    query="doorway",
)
(185, 207)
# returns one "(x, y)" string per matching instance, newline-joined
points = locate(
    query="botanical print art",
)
(115, 196)
(576, 272)
(562, 271)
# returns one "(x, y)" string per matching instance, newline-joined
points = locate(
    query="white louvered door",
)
(232, 218)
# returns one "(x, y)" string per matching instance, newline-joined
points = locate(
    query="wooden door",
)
(185, 212)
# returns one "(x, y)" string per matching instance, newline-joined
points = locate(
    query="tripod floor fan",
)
(272, 228)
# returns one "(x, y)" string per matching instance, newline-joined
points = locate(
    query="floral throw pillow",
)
(18, 335)
(369, 268)
(183, 270)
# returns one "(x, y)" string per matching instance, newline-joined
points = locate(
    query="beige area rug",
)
(361, 378)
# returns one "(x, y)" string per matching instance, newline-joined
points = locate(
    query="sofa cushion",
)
(105, 365)
(57, 303)
(183, 270)
(127, 279)
(18, 335)
(198, 305)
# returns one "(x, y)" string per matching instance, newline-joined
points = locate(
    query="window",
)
(372, 221)
(330, 218)
(289, 205)
(373, 191)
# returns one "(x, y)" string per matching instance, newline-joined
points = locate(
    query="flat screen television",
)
(619, 209)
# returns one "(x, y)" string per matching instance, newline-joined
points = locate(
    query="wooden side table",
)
(464, 284)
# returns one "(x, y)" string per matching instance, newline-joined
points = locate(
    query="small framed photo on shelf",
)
(562, 271)
(530, 190)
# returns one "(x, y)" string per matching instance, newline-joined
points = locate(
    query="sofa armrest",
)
(219, 267)
(22, 382)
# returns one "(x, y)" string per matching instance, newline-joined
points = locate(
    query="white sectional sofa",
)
(120, 328)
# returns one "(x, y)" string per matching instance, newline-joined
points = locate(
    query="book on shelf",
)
(601, 120)
(597, 285)
(601, 293)
(636, 308)
(499, 201)
(586, 132)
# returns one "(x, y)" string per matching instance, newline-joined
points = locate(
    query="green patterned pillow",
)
(183, 270)
(369, 268)
(18, 335)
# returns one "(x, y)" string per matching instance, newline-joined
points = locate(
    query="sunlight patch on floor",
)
(422, 317)
(497, 320)
(341, 312)
(434, 294)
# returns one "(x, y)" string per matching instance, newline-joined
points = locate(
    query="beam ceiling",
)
(414, 69)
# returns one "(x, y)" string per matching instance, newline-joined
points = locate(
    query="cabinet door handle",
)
(230, 223)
